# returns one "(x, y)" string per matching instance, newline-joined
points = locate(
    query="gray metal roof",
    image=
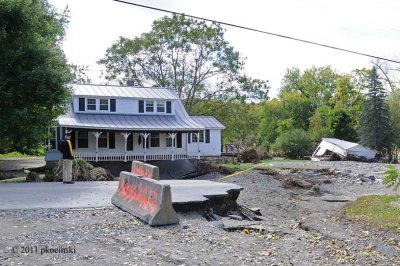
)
(208, 122)
(341, 143)
(181, 121)
(123, 91)
(128, 122)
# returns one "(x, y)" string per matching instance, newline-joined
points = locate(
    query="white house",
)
(122, 123)
(342, 148)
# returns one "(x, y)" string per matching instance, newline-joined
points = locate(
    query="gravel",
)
(300, 228)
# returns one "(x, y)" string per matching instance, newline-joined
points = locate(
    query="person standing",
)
(68, 156)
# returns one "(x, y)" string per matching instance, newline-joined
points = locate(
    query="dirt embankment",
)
(303, 226)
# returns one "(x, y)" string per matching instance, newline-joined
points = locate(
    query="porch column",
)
(126, 135)
(145, 135)
(97, 135)
(172, 136)
(198, 144)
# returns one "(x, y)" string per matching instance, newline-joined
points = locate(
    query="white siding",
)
(124, 106)
(207, 149)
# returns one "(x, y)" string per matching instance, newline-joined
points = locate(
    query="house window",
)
(91, 104)
(103, 140)
(104, 104)
(201, 136)
(83, 139)
(129, 142)
(169, 142)
(155, 140)
(161, 107)
(149, 106)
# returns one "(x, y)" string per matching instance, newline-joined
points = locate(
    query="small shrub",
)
(392, 177)
(205, 167)
(249, 156)
(32, 176)
(293, 144)
(80, 170)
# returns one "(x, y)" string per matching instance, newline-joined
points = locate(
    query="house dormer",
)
(106, 99)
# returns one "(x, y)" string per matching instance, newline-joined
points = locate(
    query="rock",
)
(260, 218)
(296, 182)
(233, 225)
(256, 210)
(236, 217)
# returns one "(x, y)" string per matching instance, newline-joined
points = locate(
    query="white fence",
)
(92, 156)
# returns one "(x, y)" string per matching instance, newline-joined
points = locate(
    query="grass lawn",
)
(12, 155)
(238, 167)
(14, 180)
(376, 210)
(262, 165)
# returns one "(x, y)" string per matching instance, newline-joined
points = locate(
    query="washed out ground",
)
(303, 226)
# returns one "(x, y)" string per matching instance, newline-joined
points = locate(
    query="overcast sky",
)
(367, 26)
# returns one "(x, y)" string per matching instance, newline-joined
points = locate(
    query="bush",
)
(392, 177)
(293, 144)
(249, 156)
(81, 170)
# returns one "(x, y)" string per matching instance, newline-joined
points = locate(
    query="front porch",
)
(107, 145)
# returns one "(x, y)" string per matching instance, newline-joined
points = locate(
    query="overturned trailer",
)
(336, 149)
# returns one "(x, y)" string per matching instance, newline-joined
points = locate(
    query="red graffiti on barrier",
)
(140, 193)
(137, 170)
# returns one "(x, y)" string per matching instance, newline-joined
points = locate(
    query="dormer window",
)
(154, 106)
(91, 104)
(160, 107)
(149, 106)
(104, 104)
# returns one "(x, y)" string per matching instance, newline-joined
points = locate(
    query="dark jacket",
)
(66, 150)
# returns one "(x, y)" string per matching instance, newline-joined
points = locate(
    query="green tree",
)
(239, 118)
(290, 110)
(298, 108)
(33, 71)
(293, 143)
(190, 55)
(316, 84)
(79, 74)
(375, 130)
(394, 109)
(270, 115)
(342, 126)
(320, 124)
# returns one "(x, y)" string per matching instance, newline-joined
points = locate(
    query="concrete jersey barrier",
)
(145, 170)
(146, 199)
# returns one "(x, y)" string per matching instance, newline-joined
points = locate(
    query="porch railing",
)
(92, 156)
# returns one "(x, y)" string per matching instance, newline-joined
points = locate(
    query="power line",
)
(262, 31)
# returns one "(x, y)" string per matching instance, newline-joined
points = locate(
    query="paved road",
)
(56, 195)
(15, 164)
(97, 194)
